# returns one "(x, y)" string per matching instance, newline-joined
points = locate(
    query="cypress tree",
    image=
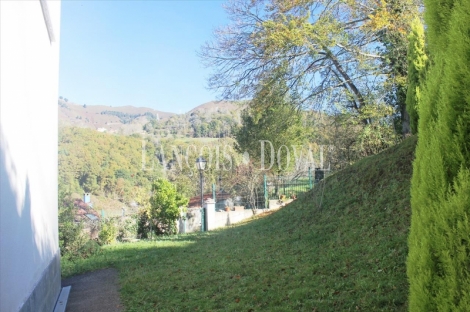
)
(438, 264)
(417, 60)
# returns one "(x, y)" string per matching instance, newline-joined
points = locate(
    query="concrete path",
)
(94, 292)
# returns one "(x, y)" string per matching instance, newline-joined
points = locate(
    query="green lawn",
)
(346, 255)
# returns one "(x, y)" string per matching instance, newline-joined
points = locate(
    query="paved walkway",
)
(94, 292)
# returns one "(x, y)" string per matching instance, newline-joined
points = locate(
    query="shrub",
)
(165, 204)
(108, 231)
(143, 225)
(127, 228)
(73, 242)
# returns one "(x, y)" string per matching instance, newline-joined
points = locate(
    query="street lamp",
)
(201, 165)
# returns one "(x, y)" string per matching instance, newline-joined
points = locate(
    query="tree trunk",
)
(405, 122)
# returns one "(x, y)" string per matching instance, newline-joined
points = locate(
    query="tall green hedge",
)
(438, 265)
(417, 60)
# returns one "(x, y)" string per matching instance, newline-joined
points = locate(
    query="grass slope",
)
(346, 255)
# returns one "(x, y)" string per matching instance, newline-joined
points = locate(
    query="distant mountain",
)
(216, 107)
(214, 119)
(211, 119)
(123, 120)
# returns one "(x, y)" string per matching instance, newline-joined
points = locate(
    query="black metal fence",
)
(281, 187)
(278, 188)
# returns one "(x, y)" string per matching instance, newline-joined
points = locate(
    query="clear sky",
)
(140, 53)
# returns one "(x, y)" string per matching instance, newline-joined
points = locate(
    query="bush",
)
(127, 228)
(163, 210)
(108, 231)
(90, 247)
(143, 225)
(73, 242)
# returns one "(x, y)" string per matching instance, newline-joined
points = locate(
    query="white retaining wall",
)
(215, 219)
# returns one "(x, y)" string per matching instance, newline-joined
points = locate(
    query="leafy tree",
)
(325, 51)
(439, 240)
(89, 183)
(164, 206)
(416, 67)
(393, 23)
(271, 117)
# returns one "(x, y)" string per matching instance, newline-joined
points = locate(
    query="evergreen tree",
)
(416, 67)
(439, 242)
(270, 116)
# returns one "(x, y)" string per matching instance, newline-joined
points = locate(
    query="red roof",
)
(83, 209)
(196, 200)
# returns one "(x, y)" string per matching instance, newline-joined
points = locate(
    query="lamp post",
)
(201, 165)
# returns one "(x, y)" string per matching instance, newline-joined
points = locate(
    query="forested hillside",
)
(217, 125)
(102, 164)
(120, 167)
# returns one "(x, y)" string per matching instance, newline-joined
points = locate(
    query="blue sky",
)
(140, 53)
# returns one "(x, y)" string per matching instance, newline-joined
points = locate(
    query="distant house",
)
(89, 217)
(221, 200)
(29, 240)
(195, 202)
(84, 210)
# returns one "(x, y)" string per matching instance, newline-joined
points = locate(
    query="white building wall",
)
(29, 61)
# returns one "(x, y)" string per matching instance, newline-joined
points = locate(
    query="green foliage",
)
(179, 156)
(144, 225)
(216, 123)
(125, 117)
(89, 184)
(346, 139)
(437, 17)
(439, 241)
(271, 116)
(127, 228)
(108, 231)
(73, 242)
(417, 60)
(395, 18)
(165, 206)
(71, 237)
(334, 52)
(379, 133)
(104, 164)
